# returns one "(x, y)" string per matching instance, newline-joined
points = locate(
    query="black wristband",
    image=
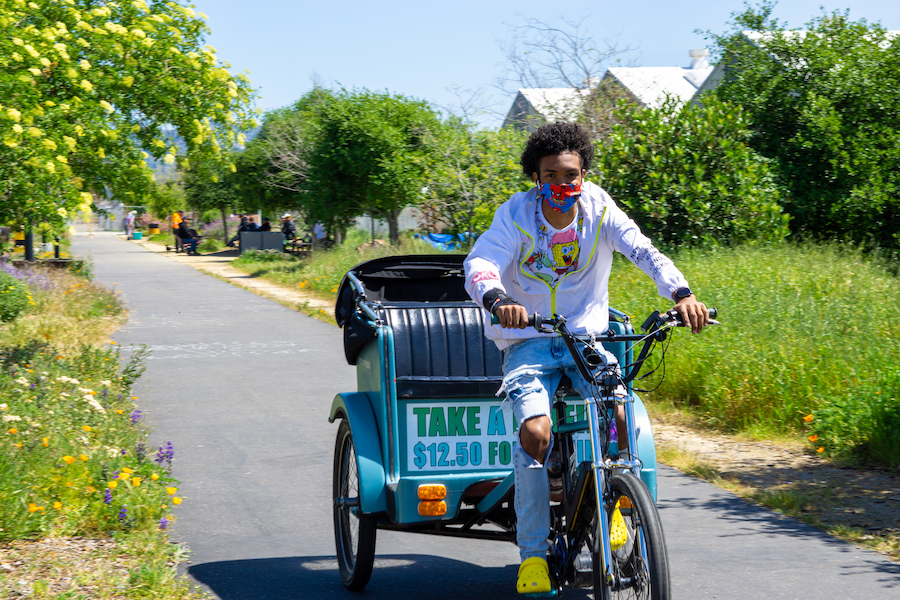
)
(496, 298)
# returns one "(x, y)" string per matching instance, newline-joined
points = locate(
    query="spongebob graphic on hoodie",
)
(554, 255)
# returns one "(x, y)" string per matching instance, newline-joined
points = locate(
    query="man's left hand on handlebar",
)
(692, 313)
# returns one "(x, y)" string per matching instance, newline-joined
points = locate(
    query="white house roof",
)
(551, 104)
(652, 85)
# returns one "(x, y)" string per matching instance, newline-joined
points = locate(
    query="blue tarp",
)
(443, 241)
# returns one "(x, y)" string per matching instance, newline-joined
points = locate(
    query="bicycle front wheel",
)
(640, 564)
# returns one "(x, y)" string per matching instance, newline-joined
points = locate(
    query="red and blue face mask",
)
(561, 197)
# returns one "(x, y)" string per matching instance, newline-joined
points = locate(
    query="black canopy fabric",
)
(411, 278)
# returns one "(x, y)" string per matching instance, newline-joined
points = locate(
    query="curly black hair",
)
(556, 138)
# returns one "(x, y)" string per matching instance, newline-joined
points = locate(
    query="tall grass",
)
(808, 330)
(321, 272)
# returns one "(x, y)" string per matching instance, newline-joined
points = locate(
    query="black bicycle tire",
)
(355, 564)
(626, 484)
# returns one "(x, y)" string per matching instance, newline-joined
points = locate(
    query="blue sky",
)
(422, 48)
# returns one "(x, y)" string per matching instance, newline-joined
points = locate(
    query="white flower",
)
(64, 395)
(106, 382)
(93, 402)
(8, 418)
(3, 406)
(22, 381)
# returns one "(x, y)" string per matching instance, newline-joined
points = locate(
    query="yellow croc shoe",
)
(534, 578)
(618, 532)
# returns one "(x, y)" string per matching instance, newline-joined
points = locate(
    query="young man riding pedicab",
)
(549, 250)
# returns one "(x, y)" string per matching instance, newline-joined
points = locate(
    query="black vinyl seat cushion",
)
(441, 352)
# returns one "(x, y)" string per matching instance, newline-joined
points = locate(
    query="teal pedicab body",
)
(425, 411)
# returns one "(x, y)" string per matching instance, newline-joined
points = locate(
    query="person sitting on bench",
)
(188, 237)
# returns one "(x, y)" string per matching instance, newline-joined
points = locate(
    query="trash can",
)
(137, 235)
(152, 229)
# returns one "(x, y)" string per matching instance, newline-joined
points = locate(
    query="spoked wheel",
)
(640, 564)
(354, 533)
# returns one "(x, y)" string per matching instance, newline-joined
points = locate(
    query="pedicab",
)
(425, 445)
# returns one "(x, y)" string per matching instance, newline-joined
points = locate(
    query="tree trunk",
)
(394, 227)
(224, 225)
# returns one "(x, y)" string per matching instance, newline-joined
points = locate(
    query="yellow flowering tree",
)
(89, 89)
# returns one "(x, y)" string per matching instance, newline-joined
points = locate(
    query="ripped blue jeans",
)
(532, 371)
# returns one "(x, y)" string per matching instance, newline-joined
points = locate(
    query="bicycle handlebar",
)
(538, 322)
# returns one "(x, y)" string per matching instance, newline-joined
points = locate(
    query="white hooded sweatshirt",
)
(497, 261)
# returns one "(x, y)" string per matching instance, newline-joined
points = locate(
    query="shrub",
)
(806, 329)
(210, 245)
(15, 298)
(687, 176)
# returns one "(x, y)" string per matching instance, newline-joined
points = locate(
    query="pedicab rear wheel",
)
(354, 532)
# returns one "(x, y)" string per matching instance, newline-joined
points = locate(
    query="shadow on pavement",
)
(394, 576)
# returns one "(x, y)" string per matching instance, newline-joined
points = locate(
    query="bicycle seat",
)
(565, 387)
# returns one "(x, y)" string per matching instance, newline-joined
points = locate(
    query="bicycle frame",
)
(605, 384)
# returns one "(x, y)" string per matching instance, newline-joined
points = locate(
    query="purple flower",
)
(136, 416)
(165, 454)
(107, 496)
(124, 451)
(140, 452)
(163, 523)
(123, 513)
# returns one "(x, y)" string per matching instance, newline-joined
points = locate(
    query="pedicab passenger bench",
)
(426, 409)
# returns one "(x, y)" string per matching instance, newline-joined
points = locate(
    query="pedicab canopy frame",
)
(425, 412)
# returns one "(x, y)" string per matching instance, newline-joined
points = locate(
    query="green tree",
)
(368, 155)
(823, 104)
(85, 90)
(473, 171)
(687, 176)
(213, 190)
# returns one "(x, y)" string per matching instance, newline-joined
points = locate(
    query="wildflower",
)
(171, 490)
(69, 459)
(112, 484)
(45, 442)
(84, 457)
(13, 430)
(154, 477)
(123, 513)
(820, 449)
(813, 438)
(136, 481)
(163, 523)
(57, 505)
(90, 489)
(808, 418)
(135, 416)
(86, 428)
(165, 454)
(176, 500)
(3, 406)
(32, 507)
(127, 470)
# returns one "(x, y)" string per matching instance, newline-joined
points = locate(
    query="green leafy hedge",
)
(687, 176)
(15, 298)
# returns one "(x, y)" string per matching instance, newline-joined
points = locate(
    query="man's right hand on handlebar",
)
(512, 316)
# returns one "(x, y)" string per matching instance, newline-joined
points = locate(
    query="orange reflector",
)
(625, 502)
(432, 508)
(432, 491)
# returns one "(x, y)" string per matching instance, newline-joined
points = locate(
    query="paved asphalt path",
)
(242, 387)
